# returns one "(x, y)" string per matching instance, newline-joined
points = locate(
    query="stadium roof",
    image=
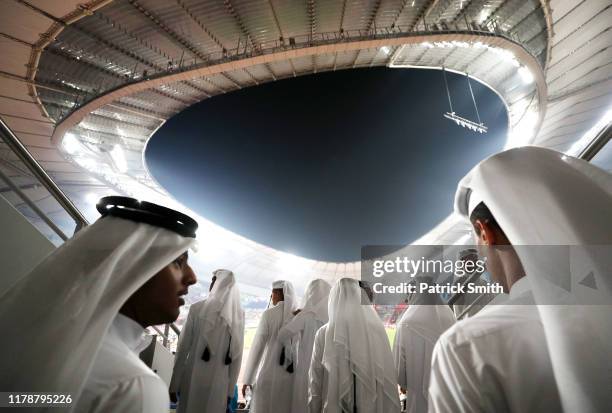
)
(84, 85)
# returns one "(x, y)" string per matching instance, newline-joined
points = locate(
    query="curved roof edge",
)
(498, 41)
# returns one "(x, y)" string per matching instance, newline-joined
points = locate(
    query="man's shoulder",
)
(497, 321)
(197, 305)
(135, 394)
(122, 378)
(423, 314)
(272, 311)
(116, 362)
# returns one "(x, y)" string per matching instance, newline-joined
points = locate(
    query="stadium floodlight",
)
(91, 198)
(118, 157)
(525, 74)
(466, 123)
(71, 144)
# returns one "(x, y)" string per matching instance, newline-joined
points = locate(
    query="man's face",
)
(277, 295)
(158, 301)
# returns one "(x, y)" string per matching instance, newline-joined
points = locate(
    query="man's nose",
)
(189, 277)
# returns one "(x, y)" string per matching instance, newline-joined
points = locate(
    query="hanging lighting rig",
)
(466, 123)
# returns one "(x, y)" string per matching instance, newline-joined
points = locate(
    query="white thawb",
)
(539, 197)
(304, 327)
(352, 366)
(57, 317)
(119, 381)
(215, 326)
(271, 380)
(417, 331)
(496, 361)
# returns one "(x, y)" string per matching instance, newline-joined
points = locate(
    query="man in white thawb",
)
(352, 365)
(303, 328)
(417, 331)
(268, 371)
(502, 359)
(87, 304)
(209, 352)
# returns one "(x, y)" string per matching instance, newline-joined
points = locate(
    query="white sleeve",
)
(142, 394)
(454, 385)
(257, 348)
(182, 349)
(234, 368)
(399, 357)
(315, 374)
(410, 353)
(292, 328)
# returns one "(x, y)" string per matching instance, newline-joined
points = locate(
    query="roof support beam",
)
(125, 122)
(230, 8)
(470, 63)
(179, 40)
(463, 11)
(373, 15)
(312, 19)
(356, 58)
(232, 80)
(280, 30)
(398, 50)
(114, 135)
(147, 113)
(399, 12)
(125, 52)
(253, 78)
(169, 96)
(424, 13)
(232, 11)
(342, 16)
(445, 58)
(213, 84)
(37, 84)
(276, 22)
(420, 59)
(197, 21)
(23, 42)
(116, 47)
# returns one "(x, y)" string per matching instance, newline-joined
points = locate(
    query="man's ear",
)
(485, 232)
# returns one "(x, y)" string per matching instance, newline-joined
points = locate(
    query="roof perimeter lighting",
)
(119, 158)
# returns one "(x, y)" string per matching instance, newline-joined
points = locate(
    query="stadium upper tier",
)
(86, 84)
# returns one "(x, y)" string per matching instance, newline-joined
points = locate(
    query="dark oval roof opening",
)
(320, 165)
